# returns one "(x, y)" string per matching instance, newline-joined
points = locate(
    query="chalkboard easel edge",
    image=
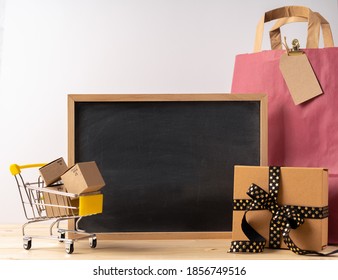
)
(159, 235)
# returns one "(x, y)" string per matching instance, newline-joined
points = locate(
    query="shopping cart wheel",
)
(70, 248)
(92, 242)
(27, 243)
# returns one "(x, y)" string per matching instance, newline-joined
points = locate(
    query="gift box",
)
(283, 207)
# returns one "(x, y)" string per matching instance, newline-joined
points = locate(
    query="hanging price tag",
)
(299, 77)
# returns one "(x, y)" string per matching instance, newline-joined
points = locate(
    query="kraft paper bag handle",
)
(275, 32)
(290, 11)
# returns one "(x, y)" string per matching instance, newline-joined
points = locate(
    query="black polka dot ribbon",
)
(284, 219)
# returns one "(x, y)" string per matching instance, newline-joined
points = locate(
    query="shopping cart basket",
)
(54, 204)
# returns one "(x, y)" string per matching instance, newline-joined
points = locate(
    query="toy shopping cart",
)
(54, 204)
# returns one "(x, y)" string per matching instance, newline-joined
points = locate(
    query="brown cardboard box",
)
(52, 171)
(59, 201)
(82, 178)
(298, 187)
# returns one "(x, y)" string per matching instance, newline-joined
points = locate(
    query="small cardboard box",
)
(59, 202)
(82, 178)
(306, 187)
(52, 171)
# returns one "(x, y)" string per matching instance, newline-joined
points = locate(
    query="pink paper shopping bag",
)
(304, 135)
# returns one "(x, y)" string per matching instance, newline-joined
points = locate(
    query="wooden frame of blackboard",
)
(73, 99)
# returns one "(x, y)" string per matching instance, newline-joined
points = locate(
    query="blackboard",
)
(167, 160)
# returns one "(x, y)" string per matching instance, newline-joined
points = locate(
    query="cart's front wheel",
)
(69, 248)
(27, 244)
(93, 242)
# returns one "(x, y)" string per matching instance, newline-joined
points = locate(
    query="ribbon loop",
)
(258, 194)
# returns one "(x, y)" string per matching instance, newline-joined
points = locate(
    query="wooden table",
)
(201, 249)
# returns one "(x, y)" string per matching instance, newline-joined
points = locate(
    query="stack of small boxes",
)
(82, 179)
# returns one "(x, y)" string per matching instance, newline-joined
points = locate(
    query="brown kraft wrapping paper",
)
(305, 187)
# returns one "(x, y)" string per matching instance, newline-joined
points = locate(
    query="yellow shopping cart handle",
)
(16, 169)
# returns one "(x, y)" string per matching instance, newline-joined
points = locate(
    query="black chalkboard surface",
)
(167, 160)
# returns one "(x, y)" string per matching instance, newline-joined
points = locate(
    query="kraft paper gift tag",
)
(299, 77)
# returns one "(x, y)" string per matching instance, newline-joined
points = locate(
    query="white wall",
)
(51, 48)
